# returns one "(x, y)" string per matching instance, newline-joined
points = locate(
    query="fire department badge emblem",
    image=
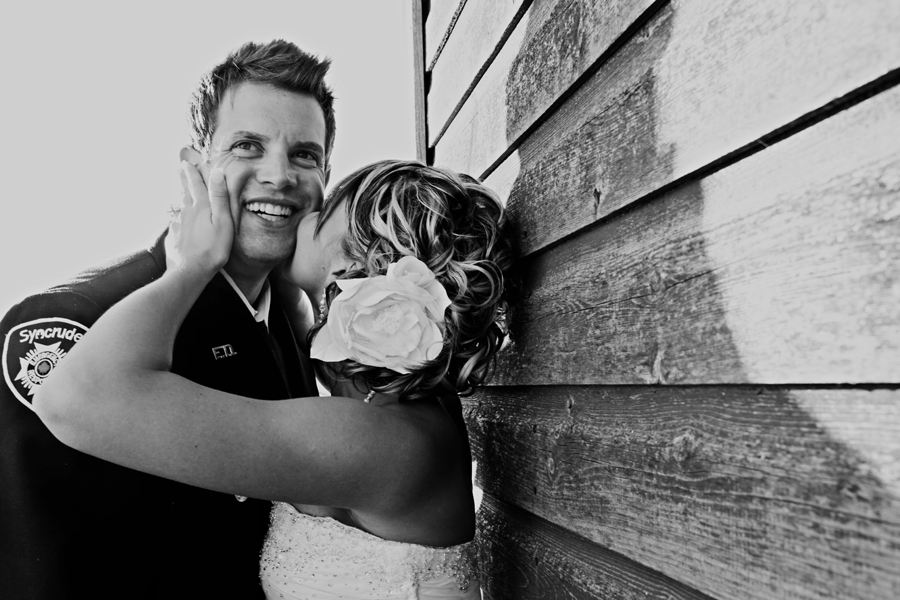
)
(32, 350)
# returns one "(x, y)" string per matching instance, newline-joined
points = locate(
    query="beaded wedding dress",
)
(319, 558)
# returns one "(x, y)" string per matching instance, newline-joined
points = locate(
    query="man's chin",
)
(265, 251)
(256, 261)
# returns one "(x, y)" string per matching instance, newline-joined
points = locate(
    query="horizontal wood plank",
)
(552, 45)
(525, 557)
(438, 24)
(700, 81)
(742, 493)
(782, 268)
(480, 31)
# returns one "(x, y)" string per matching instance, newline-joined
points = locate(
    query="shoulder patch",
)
(32, 350)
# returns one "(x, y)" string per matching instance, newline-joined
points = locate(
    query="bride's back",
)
(434, 506)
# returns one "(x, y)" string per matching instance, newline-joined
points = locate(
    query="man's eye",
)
(244, 147)
(307, 156)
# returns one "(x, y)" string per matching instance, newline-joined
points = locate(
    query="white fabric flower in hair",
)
(393, 321)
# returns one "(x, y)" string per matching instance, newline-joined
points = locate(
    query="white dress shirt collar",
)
(261, 312)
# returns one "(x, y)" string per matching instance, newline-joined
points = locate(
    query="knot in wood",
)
(683, 447)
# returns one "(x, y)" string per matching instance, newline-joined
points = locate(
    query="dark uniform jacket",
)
(74, 526)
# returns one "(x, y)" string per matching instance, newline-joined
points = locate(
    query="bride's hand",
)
(201, 231)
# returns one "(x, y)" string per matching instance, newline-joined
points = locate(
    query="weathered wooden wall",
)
(701, 398)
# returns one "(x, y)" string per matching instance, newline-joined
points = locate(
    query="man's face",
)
(273, 145)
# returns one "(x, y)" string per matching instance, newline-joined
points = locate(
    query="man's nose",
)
(276, 170)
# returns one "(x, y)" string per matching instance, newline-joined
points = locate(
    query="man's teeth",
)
(270, 212)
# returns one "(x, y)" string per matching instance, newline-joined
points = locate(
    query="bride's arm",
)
(113, 397)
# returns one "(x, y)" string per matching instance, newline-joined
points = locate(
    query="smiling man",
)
(72, 526)
(277, 141)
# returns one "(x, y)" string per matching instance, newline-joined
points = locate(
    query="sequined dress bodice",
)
(320, 558)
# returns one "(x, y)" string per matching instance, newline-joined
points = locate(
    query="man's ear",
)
(187, 153)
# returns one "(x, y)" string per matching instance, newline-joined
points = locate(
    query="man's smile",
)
(270, 211)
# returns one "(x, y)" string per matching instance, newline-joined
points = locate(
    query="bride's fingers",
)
(185, 188)
(218, 196)
(197, 187)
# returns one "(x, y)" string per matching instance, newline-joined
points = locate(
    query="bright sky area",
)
(94, 112)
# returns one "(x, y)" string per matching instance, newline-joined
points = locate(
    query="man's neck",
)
(250, 284)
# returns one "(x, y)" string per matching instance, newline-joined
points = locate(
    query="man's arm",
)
(37, 335)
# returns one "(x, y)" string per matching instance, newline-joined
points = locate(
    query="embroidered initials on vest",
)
(223, 351)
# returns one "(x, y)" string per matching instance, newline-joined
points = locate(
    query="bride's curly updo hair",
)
(458, 228)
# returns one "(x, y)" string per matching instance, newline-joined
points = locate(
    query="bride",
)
(372, 486)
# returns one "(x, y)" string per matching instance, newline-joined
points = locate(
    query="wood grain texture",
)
(782, 268)
(701, 80)
(740, 493)
(439, 22)
(418, 51)
(527, 558)
(549, 49)
(480, 31)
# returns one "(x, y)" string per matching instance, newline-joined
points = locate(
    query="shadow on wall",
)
(766, 486)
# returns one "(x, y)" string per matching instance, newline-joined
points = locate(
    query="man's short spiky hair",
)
(277, 63)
